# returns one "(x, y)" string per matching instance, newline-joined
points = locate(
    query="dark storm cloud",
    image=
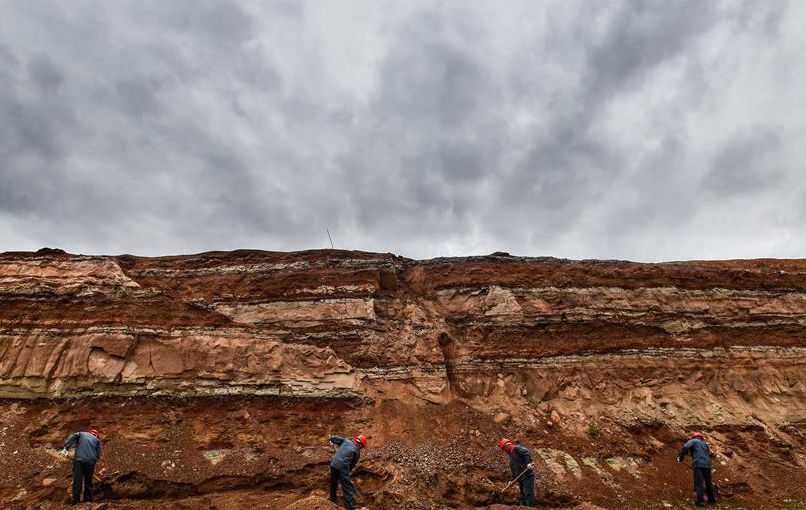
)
(622, 129)
(45, 75)
(103, 140)
(641, 36)
(744, 164)
(433, 135)
(572, 164)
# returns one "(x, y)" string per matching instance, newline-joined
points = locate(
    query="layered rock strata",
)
(333, 323)
(533, 343)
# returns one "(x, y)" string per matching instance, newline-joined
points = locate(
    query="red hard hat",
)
(696, 434)
(504, 443)
(94, 432)
(361, 440)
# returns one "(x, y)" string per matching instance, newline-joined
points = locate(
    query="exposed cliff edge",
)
(602, 366)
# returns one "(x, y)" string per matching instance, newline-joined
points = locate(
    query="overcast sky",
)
(635, 130)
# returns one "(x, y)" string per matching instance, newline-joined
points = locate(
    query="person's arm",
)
(526, 455)
(99, 451)
(354, 460)
(336, 440)
(683, 451)
(71, 440)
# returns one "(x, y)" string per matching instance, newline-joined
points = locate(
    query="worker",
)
(343, 462)
(521, 469)
(88, 451)
(701, 466)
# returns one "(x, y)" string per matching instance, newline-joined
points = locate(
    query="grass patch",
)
(594, 430)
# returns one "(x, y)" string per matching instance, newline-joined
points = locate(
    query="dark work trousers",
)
(702, 484)
(82, 472)
(527, 485)
(339, 477)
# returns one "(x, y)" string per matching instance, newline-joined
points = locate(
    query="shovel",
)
(107, 480)
(495, 496)
(717, 488)
(358, 493)
(513, 481)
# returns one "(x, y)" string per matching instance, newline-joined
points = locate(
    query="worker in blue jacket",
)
(522, 469)
(88, 451)
(342, 464)
(701, 466)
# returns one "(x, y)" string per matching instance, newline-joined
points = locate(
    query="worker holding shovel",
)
(343, 462)
(522, 469)
(701, 467)
(88, 451)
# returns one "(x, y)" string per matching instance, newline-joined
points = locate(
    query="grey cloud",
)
(138, 97)
(222, 21)
(574, 166)
(431, 136)
(576, 129)
(745, 164)
(36, 119)
(45, 75)
(641, 36)
(571, 163)
(433, 82)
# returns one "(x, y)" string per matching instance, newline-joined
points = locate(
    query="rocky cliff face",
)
(602, 366)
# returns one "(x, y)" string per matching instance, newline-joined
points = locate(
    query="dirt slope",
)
(216, 378)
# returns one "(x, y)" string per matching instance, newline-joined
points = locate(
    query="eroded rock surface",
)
(601, 366)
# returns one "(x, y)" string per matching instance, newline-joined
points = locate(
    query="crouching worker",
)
(88, 451)
(522, 469)
(343, 462)
(701, 466)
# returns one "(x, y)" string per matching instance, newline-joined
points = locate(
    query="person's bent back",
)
(700, 467)
(700, 453)
(88, 452)
(88, 446)
(343, 462)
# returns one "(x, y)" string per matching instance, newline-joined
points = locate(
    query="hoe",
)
(496, 496)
